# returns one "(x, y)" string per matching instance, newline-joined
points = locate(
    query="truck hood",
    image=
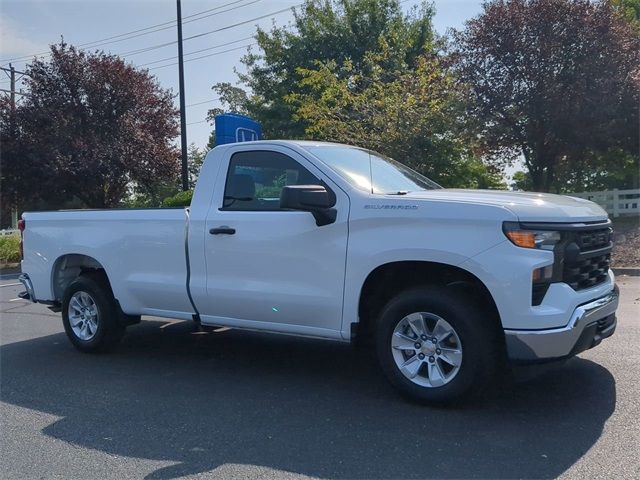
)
(527, 206)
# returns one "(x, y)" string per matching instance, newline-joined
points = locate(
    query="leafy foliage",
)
(410, 114)
(180, 199)
(323, 30)
(195, 159)
(273, 190)
(630, 9)
(153, 195)
(556, 81)
(521, 181)
(234, 98)
(612, 169)
(90, 128)
(9, 249)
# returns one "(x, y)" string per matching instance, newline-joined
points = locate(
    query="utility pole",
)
(12, 77)
(11, 72)
(12, 102)
(183, 119)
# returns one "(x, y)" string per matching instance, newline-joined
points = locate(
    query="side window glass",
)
(255, 180)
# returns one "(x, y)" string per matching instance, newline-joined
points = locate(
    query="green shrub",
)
(9, 249)
(180, 199)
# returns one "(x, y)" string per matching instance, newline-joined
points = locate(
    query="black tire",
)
(477, 337)
(109, 327)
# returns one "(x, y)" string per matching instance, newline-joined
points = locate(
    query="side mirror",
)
(310, 198)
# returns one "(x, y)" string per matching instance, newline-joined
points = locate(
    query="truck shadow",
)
(304, 406)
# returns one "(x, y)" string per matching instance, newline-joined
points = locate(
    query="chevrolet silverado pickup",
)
(342, 243)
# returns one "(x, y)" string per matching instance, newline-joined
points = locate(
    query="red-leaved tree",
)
(556, 81)
(90, 128)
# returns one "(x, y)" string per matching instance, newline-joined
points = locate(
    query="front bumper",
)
(590, 323)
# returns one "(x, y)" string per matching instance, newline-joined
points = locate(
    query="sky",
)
(27, 27)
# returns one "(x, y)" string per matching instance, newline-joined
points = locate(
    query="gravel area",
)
(626, 238)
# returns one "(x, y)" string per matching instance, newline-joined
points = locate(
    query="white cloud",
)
(16, 43)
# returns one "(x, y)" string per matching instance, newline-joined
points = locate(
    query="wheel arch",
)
(70, 266)
(388, 279)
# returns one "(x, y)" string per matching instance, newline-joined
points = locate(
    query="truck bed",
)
(141, 250)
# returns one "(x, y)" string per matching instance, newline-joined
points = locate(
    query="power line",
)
(170, 24)
(145, 49)
(14, 70)
(13, 92)
(203, 102)
(168, 27)
(196, 51)
(211, 10)
(227, 27)
(194, 123)
(206, 56)
(241, 23)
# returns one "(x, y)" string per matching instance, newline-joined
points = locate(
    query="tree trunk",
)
(536, 174)
(548, 178)
(542, 170)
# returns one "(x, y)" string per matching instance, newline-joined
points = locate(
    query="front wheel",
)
(433, 346)
(90, 314)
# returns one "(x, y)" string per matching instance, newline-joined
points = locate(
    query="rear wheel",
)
(434, 347)
(90, 314)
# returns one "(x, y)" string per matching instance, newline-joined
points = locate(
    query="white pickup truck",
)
(342, 243)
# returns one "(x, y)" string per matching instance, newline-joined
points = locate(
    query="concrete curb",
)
(631, 271)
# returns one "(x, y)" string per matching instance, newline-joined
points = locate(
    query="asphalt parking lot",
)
(171, 403)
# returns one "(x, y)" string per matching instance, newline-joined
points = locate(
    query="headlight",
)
(541, 239)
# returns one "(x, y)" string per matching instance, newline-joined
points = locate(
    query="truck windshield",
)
(371, 171)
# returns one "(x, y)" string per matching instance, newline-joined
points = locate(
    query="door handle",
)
(223, 230)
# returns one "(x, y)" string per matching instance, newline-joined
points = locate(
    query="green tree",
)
(411, 114)
(556, 81)
(151, 195)
(168, 193)
(195, 159)
(521, 181)
(234, 100)
(180, 199)
(612, 169)
(324, 30)
(630, 9)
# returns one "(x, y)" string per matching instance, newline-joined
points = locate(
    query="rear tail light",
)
(22, 224)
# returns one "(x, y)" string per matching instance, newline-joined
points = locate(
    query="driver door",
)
(269, 268)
